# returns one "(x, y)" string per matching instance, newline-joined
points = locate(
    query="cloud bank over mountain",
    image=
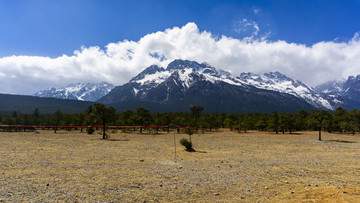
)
(119, 62)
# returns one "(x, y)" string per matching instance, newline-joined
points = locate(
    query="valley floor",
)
(130, 167)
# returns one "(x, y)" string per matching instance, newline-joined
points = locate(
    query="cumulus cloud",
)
(118, 62)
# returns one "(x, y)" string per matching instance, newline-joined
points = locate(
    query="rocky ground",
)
(131, 167)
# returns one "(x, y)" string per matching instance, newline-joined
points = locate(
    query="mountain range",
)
(185, 83)
(343, 92)
(78, 91)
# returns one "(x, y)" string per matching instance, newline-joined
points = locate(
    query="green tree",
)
(142, 117)
(125, 118)
(300, 120)
(261, 122)
(274, 122)
(36, 116)
(58, 116)
(103, 116)
(339, 117)
(354, 118)
(195, 112)
(231, 121)
(320, 118)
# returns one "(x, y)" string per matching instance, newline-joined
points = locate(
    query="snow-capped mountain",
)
(185, 83)
(279, 82)
(78, 91)
(333, 88)
(343, 92)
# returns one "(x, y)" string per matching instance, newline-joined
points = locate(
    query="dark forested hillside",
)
(27, 104)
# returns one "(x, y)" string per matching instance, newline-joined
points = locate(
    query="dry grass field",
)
(130, 167)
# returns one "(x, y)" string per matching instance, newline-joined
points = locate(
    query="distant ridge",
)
(27, 104)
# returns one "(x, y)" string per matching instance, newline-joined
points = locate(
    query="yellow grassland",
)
(131, 167)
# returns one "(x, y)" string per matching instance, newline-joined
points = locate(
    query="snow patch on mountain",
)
(155, 78)
(78, 91)
(186, 71)
(279, 82)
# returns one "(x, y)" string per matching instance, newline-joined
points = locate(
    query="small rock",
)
(161, 185)
(48, 184)
(266, 188)
(287, 182)
(216, 194)
(142, 160)
(292, 192)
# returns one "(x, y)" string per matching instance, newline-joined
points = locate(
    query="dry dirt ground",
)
(131, 167)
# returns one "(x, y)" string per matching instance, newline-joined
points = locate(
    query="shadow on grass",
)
(341, 141)
(115, 140)
(193, 150)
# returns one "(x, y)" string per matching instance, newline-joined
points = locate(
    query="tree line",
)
(99, 114)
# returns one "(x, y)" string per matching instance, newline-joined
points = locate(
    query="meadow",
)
(42, 166)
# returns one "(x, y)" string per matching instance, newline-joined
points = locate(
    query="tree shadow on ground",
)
(341, 141)
(193, 150)
(115, 140)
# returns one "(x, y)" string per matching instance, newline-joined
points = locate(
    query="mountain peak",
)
(181, 64)
(277, 75)
(153, 69)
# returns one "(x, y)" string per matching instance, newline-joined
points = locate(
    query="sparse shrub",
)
(90, 130)
(187, 144)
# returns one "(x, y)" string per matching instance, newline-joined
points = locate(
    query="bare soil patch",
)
(130, 167)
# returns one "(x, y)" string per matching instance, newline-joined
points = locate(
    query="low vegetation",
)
(339, 121)
(187, 144)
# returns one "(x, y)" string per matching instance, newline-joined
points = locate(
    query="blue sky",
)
(53, 28)
(46, 43)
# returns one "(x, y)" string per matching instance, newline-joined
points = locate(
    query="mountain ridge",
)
(193, 83)
(78, 91)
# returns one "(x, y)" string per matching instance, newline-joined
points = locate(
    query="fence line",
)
(97, 126)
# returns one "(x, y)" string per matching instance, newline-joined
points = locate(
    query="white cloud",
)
(246, 26)
(256, 11)
(121, 61)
